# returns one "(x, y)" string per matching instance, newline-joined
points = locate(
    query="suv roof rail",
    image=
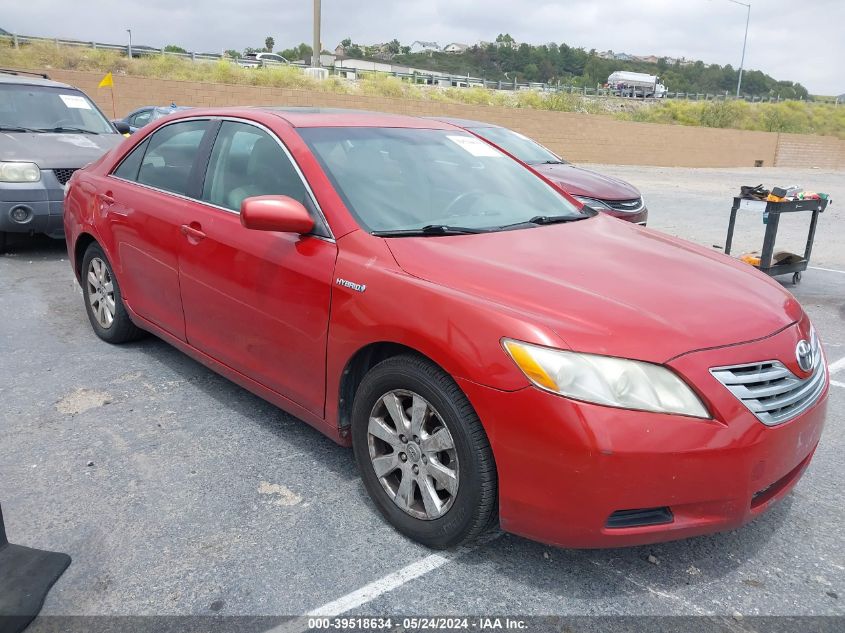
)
(9, 71)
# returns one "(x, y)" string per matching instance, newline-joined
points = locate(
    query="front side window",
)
(246, 161)
(170, 156)
(49, 109)
(397, 179)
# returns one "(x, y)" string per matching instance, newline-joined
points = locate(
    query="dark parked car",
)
(142, 116)
(597, 191)
(47, 131)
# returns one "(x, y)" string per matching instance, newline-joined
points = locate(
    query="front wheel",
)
(103, 301)
(423, 455)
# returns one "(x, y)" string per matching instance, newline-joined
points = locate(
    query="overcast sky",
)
(800, 41)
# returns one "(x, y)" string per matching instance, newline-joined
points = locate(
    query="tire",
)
(436, 508)
(101, 293)
(2, 242)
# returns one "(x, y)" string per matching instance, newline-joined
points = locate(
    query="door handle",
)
(193, 232)
(106, 201)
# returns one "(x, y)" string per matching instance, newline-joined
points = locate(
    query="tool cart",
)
(787, 263)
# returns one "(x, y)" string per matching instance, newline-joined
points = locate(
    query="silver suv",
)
(48, 130)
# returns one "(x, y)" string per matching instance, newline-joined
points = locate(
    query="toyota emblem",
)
(804, 354)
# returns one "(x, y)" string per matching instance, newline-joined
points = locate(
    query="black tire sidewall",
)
(459, 520)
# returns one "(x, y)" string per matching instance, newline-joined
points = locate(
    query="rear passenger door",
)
(257, 301)
(146, 207)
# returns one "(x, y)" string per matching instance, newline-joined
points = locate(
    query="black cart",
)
(771, 216)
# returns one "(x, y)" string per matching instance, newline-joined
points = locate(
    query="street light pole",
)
(315, 54)
(744, 42)
(130, 42)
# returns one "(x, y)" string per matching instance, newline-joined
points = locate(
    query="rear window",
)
(48, 109)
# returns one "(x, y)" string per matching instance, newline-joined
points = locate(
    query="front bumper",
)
(44, 201)
(565, 467)
(638, 217)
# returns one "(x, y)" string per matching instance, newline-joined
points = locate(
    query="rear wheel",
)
(423, 455)
(2, 242)
(103, 301)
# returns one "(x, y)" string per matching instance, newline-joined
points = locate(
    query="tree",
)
(269, 43)
(232, 53)
(346, 42)
(393, 47)
(172, 48)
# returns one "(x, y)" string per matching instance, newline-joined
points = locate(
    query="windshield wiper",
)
(546, 219)
(430, 230)
(17, 128)
(63, 128)
(553, 162)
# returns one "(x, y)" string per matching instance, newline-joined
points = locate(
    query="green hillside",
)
(550, 63)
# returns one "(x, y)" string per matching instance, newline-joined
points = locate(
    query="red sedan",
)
(488, 350)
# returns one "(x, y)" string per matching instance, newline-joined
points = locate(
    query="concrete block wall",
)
(576, 137)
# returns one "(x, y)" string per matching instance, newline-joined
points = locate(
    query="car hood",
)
(608, 287)
(56, 151)
(583, 182)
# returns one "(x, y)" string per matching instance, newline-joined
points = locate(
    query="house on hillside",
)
(425, 47)
(840, 98)
(455, 47)
(649, 59)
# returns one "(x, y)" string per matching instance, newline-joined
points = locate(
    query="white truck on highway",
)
(628, 84)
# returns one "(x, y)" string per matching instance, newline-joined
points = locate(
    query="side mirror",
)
(276, 213)
(121, 126)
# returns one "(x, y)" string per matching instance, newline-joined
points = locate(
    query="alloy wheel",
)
(100, 290)
(413, 454)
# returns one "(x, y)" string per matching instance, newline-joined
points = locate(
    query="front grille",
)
(772, 392)
(630, 206)
(63, 175)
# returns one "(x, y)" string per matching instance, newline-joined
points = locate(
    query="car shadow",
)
(40, 246)
(238, 401)
(648, 569)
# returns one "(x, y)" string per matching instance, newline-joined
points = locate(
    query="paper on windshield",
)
(475, 146)
(75, 101)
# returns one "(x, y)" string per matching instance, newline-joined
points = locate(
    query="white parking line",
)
(373, 590)
(837, 366)
(836, 383)
(830, 270)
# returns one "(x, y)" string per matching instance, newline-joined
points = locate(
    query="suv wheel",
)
(423, 455)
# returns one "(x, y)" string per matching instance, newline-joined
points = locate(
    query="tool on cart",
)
(773, 204)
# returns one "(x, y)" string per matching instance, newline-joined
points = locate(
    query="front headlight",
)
(19, 172)
(614, 382)
(592, 203)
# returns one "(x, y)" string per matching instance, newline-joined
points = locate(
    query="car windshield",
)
(514, 143)
(49, 109)
(395, 179)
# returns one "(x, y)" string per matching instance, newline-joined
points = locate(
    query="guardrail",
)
(426, 77)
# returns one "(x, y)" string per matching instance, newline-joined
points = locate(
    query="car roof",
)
(465, 123)
(304, 117)
(13, 77)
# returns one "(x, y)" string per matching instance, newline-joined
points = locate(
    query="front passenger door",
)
(257, 301)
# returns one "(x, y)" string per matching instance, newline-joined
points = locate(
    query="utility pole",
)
(315, 56)
(747, 5)
(129, 50)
